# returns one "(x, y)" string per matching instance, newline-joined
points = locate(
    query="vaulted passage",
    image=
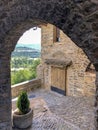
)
(76, 18)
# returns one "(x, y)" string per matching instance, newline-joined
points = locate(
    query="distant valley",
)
(34, 46)
(27, 50)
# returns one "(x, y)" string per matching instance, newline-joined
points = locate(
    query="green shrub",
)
(25, 74)
(20, 76)
(23, 103)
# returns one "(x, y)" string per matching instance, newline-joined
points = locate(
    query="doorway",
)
(58, 80)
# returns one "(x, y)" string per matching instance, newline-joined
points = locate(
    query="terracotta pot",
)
(22, 121)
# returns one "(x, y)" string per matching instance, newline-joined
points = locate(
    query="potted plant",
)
(22, 116)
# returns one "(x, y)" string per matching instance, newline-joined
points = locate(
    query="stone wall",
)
(27, 86)
(78, 81)
(5, 94)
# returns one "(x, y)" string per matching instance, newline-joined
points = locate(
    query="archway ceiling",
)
(77, 18)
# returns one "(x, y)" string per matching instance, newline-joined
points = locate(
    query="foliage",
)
(23, 103)
(34, 67)
(20, 76)
(21, 62)
(27, 73)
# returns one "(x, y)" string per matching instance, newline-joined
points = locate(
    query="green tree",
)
(34, 67)
(20, 76)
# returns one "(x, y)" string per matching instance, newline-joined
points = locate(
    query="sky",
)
(31, 37)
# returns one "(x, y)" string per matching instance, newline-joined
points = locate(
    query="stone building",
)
(65, 68)
(78, 19)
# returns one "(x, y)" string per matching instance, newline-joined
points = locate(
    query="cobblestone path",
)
(66, 113)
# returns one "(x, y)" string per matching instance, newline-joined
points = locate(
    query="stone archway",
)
(77, 18)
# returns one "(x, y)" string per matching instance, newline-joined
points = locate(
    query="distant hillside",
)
(35, 46)
(26, 52)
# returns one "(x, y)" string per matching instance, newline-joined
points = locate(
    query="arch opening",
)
(26, 56)
(64, 59)
(79, 91)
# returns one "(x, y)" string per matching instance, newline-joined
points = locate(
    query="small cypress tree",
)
(23, 103)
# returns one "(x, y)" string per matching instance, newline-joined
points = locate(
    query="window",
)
(56, 34)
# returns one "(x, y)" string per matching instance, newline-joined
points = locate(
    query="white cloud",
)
(31, 37)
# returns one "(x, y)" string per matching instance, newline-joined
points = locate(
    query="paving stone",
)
(62, 112)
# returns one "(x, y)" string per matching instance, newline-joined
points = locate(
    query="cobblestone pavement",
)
(49, 121)
(66, 113)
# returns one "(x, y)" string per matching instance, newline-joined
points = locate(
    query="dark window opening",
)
(90, 68)
(56, 34)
